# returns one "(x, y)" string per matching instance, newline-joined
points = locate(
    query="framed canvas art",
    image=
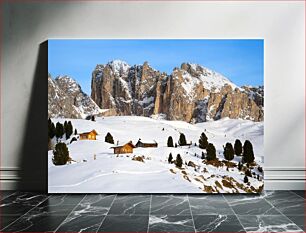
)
(155, 116)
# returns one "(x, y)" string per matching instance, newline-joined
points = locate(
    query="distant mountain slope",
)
(190, 93)
(66, 99)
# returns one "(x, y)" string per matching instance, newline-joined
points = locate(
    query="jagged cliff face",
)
(190, 93)
(66, 99)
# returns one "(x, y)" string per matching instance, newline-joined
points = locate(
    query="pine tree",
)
(228, 151)
(69, 129)
(203, 155)
(170, 158)
(51, 129)
(178, 161)
(238, 147)
(175, 145)
(170, 142)
(211, 152)
(182, 140)
(203, 143)
(248, 154)
(60, 154)
(109, 138)
(93, 118)
(59, 130)
(65, 127)
(239, 166)
(248, 173)
(246, 179)
(75, 132)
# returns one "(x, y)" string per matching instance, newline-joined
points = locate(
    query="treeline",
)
(246, 151)
(59, 130)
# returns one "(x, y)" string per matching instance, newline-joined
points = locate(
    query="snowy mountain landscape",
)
(112, 173)
(136, 103)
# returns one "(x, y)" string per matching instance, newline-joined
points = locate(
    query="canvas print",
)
(155, 116)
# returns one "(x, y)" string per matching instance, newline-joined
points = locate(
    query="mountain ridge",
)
(191, 93)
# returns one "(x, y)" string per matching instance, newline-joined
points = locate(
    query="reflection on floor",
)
(272, 211)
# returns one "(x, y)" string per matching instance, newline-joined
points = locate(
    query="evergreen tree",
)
(51, 129)
(170, 142)
(239, 166)
(109, 138)
(238, 147)
(246, 179)
(65, 127)
(182, 140)
(175, 145)
(170, 158)
(60, 154)
(59, 130)
(228, 151)
(248, 173)
(203, 143)
(203, 155)
(211, 152)
(248, 154)
(75, 132)
(93, 118)
(69, 129)
(178, 161)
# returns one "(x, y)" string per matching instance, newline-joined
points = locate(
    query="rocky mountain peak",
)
(192, 93)
(119, 67)
(66, 99)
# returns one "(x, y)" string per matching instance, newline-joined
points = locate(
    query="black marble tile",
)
(7, 220)
(299, 220)
(69, 199)
(217, 223)
(5, 194)
(20, 203)
(125, 223)
(166, 223)
(209, 205)
(81, 223)
(58, 205)
(130, 204)
(250, 205)
(170, 205)
(35, 223)
(301, 193)
(266, 223)
(286, 202)
(95, 204)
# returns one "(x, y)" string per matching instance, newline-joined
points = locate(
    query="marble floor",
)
(272, 211)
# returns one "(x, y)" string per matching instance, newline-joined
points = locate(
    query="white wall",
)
(24, 72)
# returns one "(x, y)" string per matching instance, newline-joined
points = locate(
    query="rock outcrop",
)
(190, 93)
(66, 99)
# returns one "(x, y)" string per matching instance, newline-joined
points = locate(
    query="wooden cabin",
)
(89, 135)
(146, 144)
(124, 149)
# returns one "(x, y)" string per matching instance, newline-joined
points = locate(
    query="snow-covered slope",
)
(110, 173)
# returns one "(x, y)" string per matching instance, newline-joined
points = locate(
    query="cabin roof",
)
(147, 142)
(129, 143)
(93, 131)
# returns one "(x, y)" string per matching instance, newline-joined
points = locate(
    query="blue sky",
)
(242, 61)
